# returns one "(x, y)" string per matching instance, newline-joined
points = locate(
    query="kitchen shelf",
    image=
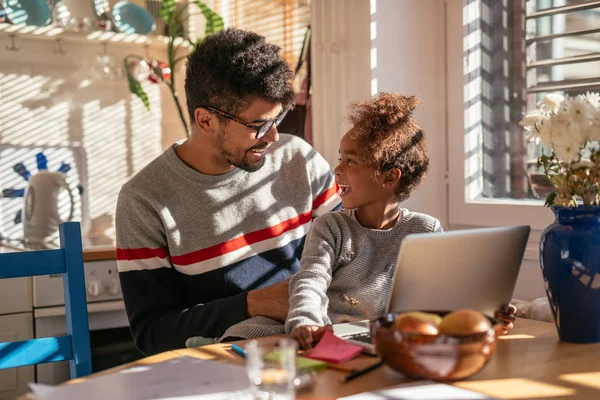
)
(50, 33)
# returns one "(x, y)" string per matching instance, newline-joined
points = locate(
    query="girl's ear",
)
(392, 177)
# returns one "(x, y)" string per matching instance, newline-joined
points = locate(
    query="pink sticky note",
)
(333, 350)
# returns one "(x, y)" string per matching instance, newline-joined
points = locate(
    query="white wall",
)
(410, 58)
(49, 100)
(340, 68)
(411, 44)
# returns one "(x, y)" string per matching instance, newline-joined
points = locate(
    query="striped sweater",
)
(190, 246)
(346, 273)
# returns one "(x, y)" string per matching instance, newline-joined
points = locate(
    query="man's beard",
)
(237, 160)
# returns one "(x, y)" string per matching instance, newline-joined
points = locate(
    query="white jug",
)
(49, 201)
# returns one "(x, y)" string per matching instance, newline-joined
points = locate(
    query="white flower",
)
(593, 99)
(560, 132)
(545, 133)
(567, 153)
(530, 120)
(579, 110)
(594, 130)
(551, 102)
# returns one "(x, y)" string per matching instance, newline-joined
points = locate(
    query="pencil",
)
(237, 349)
(361, 372)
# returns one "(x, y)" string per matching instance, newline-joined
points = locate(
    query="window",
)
(503, 57)
(282, 22)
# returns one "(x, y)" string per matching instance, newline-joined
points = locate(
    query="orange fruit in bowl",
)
(417, 322)
(464, 322)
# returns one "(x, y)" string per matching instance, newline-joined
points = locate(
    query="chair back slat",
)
(32, 263)
(68, 261)
(75, 300)
(35, 351)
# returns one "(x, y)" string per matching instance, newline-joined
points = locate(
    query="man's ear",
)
(392, 177)
(207, 122)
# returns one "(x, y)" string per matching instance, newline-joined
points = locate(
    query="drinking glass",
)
(271, 368)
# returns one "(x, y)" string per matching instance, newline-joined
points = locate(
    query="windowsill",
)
(506, 201)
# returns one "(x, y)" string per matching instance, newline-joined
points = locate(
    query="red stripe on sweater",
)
(142, 253)
(326, 195)
(242, 241)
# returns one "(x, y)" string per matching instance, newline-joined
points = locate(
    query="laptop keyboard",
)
(361, 337)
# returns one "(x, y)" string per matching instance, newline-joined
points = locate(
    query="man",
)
(208, 232)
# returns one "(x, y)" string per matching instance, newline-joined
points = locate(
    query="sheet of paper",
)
(333, 350)
(422, 390)
(39, 390)
(302, 363)
(181, 378)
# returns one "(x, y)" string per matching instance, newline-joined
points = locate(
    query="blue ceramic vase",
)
(570, 261)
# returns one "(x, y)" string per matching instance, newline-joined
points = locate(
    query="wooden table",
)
(91, 252)
(529, 363)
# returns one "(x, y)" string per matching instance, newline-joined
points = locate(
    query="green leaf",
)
(176, 29)
(214, 22)
(550, 199)
(167, 8)
(136, 88)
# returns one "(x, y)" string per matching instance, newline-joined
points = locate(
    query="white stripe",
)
(244, 252)
(329, 205)
(139, 265)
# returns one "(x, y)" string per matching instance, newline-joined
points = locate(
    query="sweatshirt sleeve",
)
(308, 288)
(159, 316)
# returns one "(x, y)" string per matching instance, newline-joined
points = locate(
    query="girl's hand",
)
(307, 334)
(506, 314)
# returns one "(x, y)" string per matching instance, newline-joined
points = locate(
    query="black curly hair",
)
(230, 69)
(391, 138)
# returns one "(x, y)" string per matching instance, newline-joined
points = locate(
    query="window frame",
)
(463, 210)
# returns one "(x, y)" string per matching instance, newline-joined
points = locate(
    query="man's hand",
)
(271, 301)
(506, 314)
(306, 335)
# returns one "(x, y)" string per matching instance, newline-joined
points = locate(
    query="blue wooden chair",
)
(68, 261)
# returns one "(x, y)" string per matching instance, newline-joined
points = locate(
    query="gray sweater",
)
(190, 246)
(345, 275)
(346, 270)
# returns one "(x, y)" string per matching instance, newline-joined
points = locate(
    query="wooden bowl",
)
(437, 357)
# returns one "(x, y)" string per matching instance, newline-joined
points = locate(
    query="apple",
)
(417, 322)
(464, 322)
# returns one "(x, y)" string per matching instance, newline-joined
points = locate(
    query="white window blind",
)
(516, 51)
(563, 46)
(282, 22)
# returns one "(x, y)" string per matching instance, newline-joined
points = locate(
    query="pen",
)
(360, 372)
(239, 350)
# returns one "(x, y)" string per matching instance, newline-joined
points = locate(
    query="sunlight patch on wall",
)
(27, 116)
(104, 138)
(145, 128)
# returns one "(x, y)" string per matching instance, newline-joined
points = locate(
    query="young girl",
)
(349, 258)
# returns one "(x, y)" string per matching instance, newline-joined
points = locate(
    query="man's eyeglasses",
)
(261, 130)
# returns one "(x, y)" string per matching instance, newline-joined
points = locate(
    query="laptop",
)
(474, 268)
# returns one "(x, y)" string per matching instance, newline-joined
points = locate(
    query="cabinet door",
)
(15, 295)
(13, 381)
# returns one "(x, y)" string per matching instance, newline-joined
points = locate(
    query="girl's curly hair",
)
(391, 138)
